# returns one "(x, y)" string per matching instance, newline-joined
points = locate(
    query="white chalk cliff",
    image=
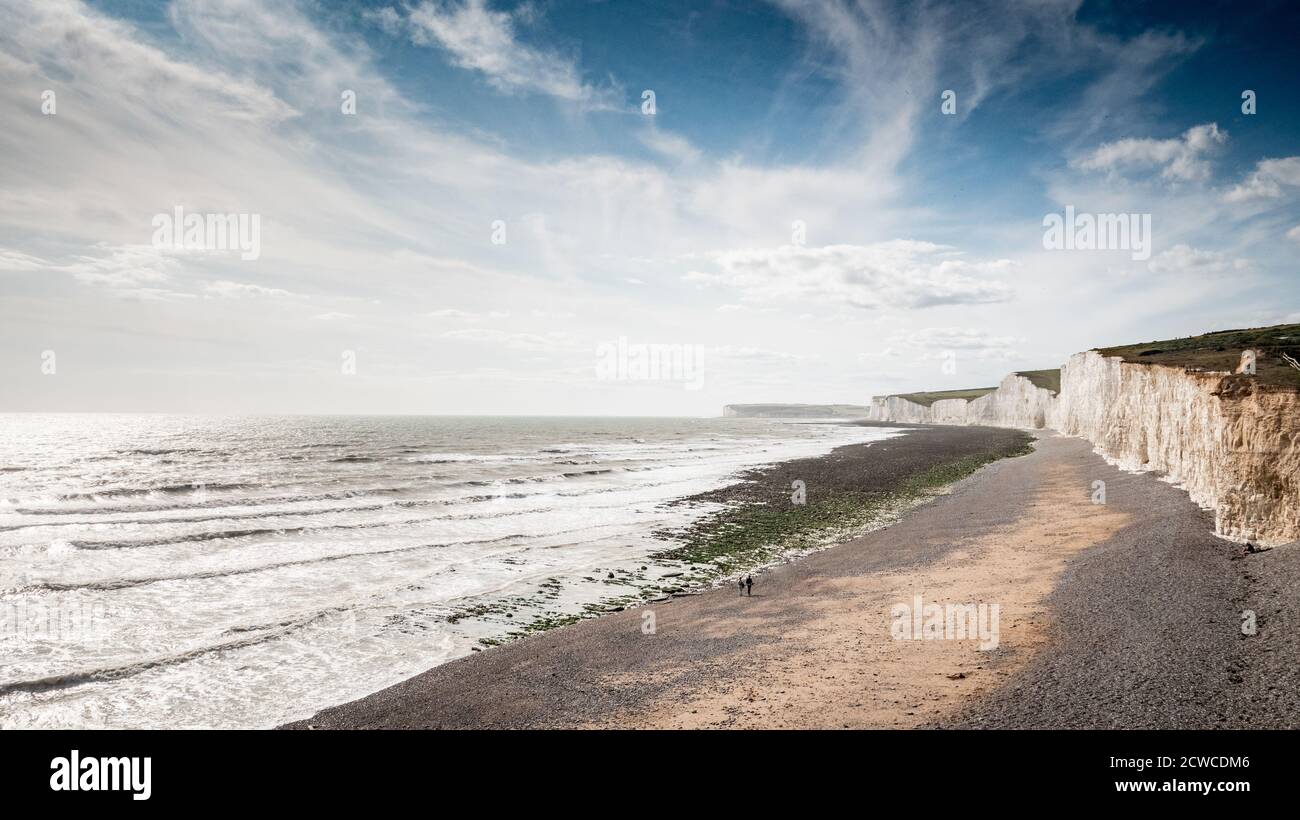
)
(1234, 447)
(1017, 402)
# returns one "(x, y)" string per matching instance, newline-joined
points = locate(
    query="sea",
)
(161, 571)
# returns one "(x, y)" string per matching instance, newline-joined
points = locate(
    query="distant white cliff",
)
(795, 411)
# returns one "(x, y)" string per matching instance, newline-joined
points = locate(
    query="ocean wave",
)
(127, 583)
(246, 501)
(198, 519)
(221, 535)
(171, 489)
(581, 473)
(109, 673)
(217, 535)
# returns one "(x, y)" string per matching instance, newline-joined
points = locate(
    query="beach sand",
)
(1123, 613)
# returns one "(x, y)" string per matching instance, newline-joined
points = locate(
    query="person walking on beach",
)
(749, 585)
(740, 584)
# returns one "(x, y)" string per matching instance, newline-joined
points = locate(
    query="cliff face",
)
(1259, 496)
(1232, 445)
(1015, 403)
(892, 408)
(1234, 448)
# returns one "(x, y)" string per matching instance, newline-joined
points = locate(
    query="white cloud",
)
(937, 342)
(755, 354)
(671, 146)
(387, 18)
(122, 266)
(453, 313)
(733, 308)
(480, 39)
(1180, 159)
(238, 290)
(12, 260)
(537, 342)
(1184, 259)
(899, 273)
(1268, 180)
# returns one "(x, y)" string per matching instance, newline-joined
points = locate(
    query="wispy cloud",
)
(480, 39)
(468, 315)
(1270, 179)
(939, 342)
(1182, 158)
(537, 342)
(1184, 259)
(905, 274)
(670, 146)
(239, 290)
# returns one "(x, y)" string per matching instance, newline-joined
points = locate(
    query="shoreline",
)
(754, 526)
(853, 490)
(1126, 614)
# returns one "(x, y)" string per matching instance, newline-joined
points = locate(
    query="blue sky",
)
(921, 263)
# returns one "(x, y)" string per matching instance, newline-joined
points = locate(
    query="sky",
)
(466, 206)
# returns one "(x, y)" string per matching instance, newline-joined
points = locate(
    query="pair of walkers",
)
(746, 585)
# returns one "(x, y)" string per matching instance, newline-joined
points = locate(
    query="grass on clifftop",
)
(930, 397)
(1046, 379)
(1221, 351)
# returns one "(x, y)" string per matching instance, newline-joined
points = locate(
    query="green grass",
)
(1221, 351)
(1046, 379)
(930, 397)
(753, 533)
